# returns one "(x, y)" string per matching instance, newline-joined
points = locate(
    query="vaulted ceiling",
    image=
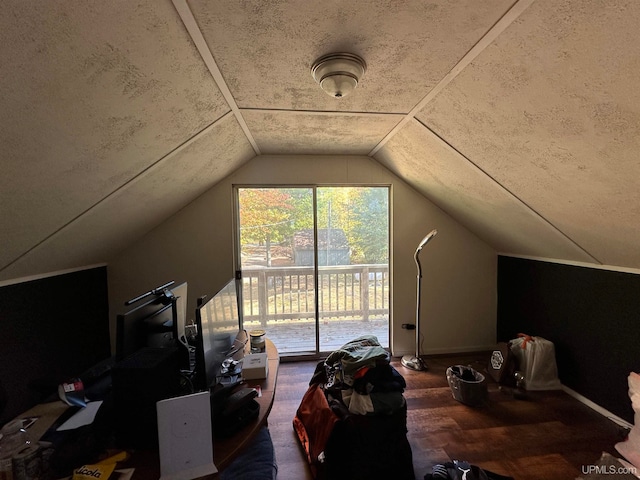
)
(519, 119)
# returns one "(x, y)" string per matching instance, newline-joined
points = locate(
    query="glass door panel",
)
(278, 280)
(353, 264)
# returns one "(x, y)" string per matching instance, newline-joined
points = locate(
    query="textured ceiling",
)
(519, 119)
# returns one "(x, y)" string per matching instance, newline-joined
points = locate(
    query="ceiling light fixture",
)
(338, 73)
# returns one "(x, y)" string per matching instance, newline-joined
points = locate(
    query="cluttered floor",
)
(545, 435)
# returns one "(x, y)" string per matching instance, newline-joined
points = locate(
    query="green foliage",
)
(302, 214)
(369, 231)
(275, 214)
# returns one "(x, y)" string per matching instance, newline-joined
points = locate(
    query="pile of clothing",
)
(352, 421)
(360, 376)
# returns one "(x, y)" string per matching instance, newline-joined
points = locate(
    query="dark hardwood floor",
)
(547, 436)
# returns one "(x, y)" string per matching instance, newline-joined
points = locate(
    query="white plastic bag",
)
(630, 448)
(537, 361)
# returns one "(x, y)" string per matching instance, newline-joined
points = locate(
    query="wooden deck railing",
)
(288, 293)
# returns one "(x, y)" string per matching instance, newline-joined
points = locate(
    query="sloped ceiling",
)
(519, 119)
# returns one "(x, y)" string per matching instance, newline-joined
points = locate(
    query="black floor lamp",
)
(414, 362)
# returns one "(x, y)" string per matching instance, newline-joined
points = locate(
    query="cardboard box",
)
(255, 366)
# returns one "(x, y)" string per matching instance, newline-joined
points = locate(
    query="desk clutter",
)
(70, 453)
(144, 398)
(142, 408)
(18, 454)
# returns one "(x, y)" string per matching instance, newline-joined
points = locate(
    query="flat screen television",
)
(219, 335)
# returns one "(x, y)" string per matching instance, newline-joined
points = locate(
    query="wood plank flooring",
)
(548, 436)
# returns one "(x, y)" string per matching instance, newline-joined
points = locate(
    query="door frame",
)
(317, 353)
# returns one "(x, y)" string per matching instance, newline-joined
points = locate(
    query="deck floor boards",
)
(294, 337)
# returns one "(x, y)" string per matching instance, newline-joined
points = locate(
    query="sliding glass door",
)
(315, 264)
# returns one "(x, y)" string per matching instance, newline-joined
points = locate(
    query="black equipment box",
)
(138, 382)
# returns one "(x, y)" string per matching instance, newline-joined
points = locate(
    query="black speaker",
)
(138, 382)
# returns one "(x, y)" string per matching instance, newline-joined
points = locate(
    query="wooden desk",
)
(146, 463)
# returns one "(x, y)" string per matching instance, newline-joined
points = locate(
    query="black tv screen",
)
(219, 335)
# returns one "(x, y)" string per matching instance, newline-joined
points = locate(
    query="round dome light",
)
(338, 73)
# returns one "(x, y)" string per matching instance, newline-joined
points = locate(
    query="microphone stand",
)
(414, 362)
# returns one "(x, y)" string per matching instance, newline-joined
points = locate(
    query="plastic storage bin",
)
(468, 386)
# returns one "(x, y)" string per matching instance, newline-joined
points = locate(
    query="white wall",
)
(458, 302)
